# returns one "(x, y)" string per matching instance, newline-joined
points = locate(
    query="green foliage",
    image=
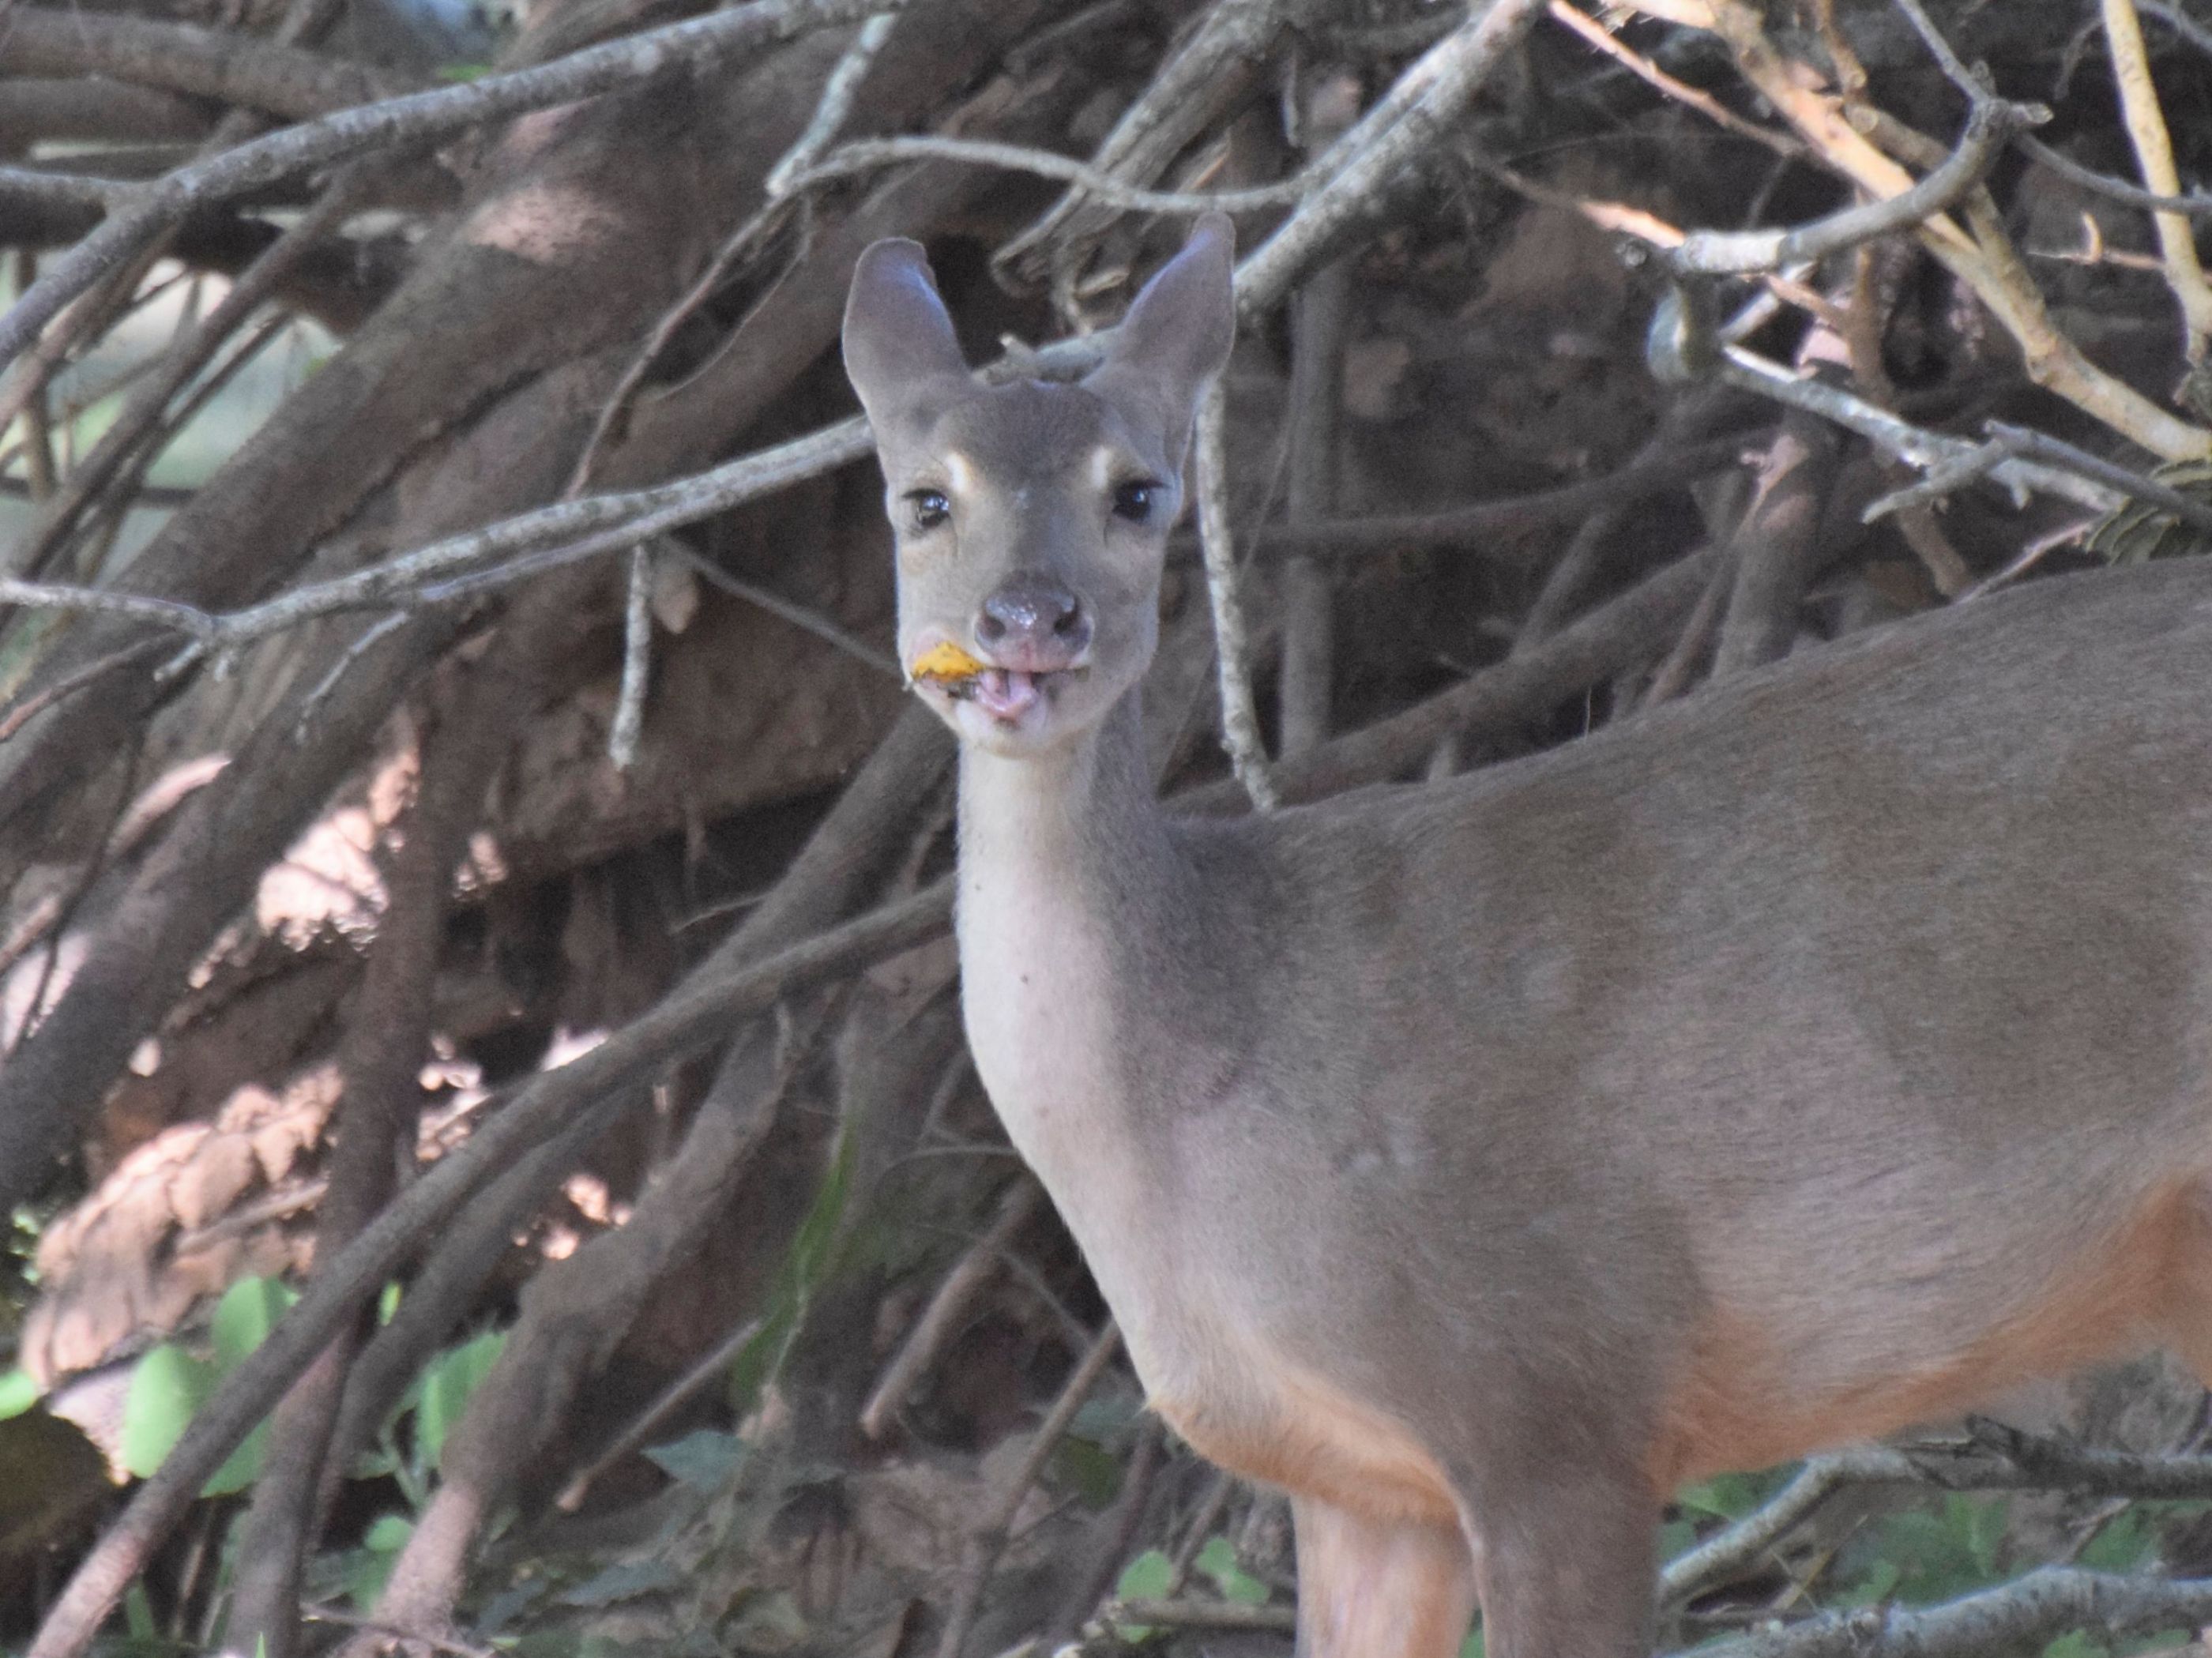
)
(1732, 1495)
(170, 1385)
(1217, 1561)
(2127, 1542)
(369, 1568)
(1933, 1554)
(18, 1271)
(2135, 532)
(1145, 1578)
(249, 1309)
(18, 1392)
(806, 1264)
(1088, 1468)
(167, 1387)
(705, 1460)
(626, 1580)
(444, 1390)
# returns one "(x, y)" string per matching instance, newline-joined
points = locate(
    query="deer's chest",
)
(1049, 1033)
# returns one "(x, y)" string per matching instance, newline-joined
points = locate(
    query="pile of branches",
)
(466, 855)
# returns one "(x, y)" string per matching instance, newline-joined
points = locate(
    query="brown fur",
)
(1823, 1054)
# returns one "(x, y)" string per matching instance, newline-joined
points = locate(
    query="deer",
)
(1478, 1160)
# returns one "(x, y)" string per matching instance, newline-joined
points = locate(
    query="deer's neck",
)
(1066, 864)
(1068, 831)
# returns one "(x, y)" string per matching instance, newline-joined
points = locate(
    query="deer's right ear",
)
(901, 353)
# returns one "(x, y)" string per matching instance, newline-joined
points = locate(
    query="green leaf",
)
(705, 1460)
(1472, 1646)
(166, 1386)
(447, 1382)
(18, 1392)
(1146, 1578)
(249, 1309)
(1094, 1472)
(625, 1583)
(242, 1466)
(805, 1263)
(1732, 1495)
(2126, 1542)
(138, 1612)
(388, 1533)
(387, 1303)
(1218, 1560)
(2077, 1645)
(1935, 1554)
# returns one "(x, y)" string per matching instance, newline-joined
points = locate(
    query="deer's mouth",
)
(1009, 694)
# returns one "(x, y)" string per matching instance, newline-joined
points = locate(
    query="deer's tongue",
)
(1005, 692)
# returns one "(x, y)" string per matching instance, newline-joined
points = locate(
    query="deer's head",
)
(1032, 518)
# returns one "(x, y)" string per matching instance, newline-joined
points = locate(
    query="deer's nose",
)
(1033, 623)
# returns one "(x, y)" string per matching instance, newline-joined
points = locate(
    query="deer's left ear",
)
(1177, 334)
(901, 353)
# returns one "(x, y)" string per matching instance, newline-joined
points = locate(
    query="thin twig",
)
(870, 154)
(697, 44)
(776, 604)
(2198, 205)
(1240, 718)
(830, 113)
(141, 410)
(1990, 125)
(2154, 147)
(2023, 1616)
(1682, 92)
(2041, 446)
(1202, 1614)
(447, 1642)
(834, 107)
(941, 1319)
(710, 1367)
(991, 1536)
(1424, 107)
(695, 1013)
(637, 662)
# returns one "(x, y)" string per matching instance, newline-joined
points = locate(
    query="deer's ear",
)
(1177, 334)
(901, 353)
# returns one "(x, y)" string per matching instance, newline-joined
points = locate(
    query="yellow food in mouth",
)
(944, 662)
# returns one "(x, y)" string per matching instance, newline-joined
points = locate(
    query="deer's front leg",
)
(1566, 1566)
(1379, 1588)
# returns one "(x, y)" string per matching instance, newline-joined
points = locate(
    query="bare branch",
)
(2154, 147)
(1989, 128)
(991, 1536)
(868, 154)
(2020, 1617)
(695, 44)
(941, 1318)
(1426, 105)
(1240, 718)
(637, 661)
(693, 1014)
(2198, 205)
(1596, 34)
(229, 65)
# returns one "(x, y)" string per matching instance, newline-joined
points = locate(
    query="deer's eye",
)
(928, 508)
(1133, 501)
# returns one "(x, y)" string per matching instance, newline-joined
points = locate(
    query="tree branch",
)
(420, 117)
